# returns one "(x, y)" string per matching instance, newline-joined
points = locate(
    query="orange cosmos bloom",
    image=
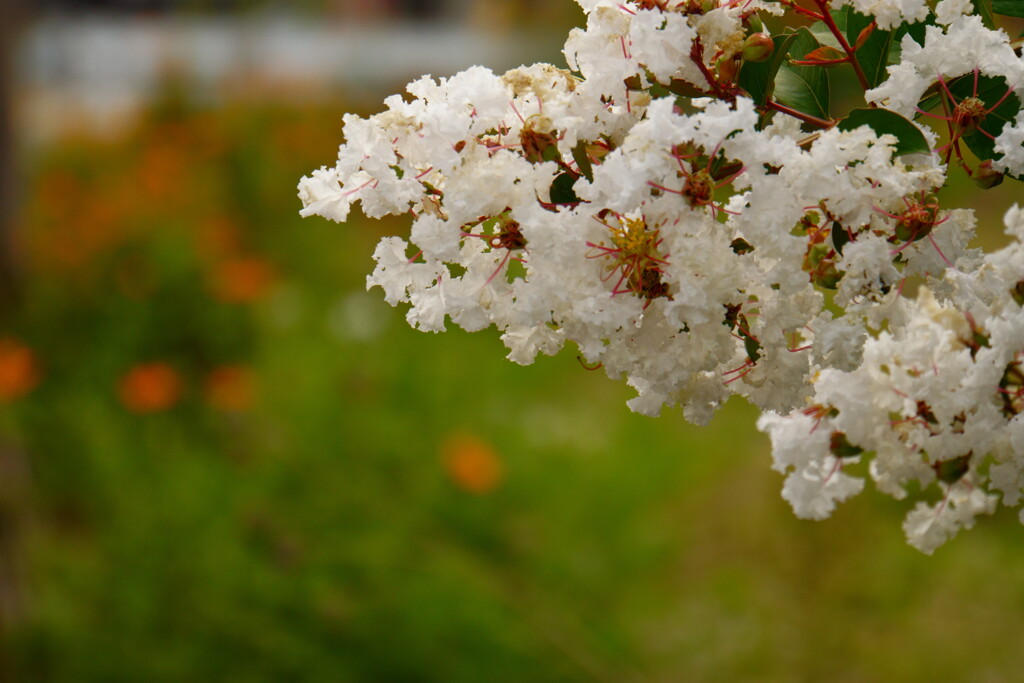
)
(19, 369)
(242, 279)
(230, 388)
(472, 464)
(150, 388)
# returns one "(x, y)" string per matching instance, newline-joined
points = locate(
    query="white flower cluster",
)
(931, 401)
(698, 250)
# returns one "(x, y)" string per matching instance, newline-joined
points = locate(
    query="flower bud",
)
(917, 221)
(758, 47)
(820, 266)
(727, 69)
(985, 176)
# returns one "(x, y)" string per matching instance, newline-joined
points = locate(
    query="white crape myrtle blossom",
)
(655, 207)
(965, 45)
(801, 449)
(889, 13)
(933, 402)
(1010, 144)
(948, 11)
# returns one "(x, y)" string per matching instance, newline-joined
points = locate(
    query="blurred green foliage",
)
(237, 465)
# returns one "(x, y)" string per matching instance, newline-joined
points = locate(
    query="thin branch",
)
(826, 16)
(806, 118)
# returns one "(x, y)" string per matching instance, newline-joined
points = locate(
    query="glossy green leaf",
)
(582, 159)
(983, 8)
(758, 78)
(823, 34)
(841, 447)
(916, 31)
(952, 470)
(562, 191)
(840, 237)
(1009, 8)
(683, 88)
(752, 347)
(930, 101)
(873, 55)
(910, 139)
(804, 88)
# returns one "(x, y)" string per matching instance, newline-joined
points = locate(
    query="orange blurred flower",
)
(150, 388)
(163, 170)
(19, 369)
(242, 279)
(217, 237)
(230, 388)
(471, 463)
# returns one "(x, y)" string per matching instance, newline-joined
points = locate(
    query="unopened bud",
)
(727, 69)
(986, 177)
(758, 47)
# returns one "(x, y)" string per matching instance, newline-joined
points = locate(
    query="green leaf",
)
(1009, 8)
(740, 246)
(932, 98)
(916, 31)
(909, 138)
(983, 8)
(873, 55)
(841, 447)
(840, 237)
(804, 88)
(952, 470)
(758, 78)
(680, 87)
(823, 34)
(752, 347)
(561, 189)
(582, 159)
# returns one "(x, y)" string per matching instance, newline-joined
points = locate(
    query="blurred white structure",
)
(93, 70)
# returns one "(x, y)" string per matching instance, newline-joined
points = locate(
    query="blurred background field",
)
(222, 459)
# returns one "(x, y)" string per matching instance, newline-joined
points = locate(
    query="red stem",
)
(697, 57)
(807, 118)
(826, 16)
(801, 10)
